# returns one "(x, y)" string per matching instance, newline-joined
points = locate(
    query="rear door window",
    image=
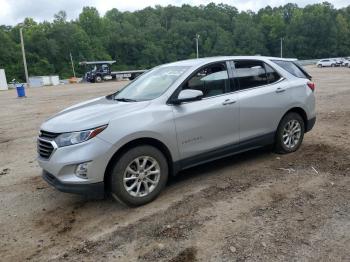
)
(271, 74)
(249, 74)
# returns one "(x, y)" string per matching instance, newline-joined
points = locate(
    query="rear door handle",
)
(228, 102)
(280, 90)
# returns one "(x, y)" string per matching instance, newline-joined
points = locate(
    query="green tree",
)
(152, 36)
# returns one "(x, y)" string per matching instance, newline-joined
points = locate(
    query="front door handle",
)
(228, 102)
(280, 90)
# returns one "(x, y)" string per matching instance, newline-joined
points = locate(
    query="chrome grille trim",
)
(48, 135)
(46, 144)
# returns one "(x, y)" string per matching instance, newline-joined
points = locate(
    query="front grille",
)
(45, 148)
(48, 135)
(44, 145)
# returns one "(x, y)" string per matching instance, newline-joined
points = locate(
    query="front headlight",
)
(67, 139)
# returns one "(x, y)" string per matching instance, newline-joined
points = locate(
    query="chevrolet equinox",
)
(173, 117)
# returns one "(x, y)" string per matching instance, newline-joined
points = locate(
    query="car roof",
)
(201, 61)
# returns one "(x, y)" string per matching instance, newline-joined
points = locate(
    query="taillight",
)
(311, 85)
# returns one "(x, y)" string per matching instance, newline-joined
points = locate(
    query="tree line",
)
(152, 36)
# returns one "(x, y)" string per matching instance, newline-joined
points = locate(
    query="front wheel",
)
(98, 79)
(139, 175)
(290, 133)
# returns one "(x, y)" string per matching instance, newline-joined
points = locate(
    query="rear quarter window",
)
(292, 68)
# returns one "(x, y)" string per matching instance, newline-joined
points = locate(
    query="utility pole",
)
(71, 60)
(281, 47)
(24, 57)
(197, 38)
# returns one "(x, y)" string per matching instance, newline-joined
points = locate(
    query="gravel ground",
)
(258, 206)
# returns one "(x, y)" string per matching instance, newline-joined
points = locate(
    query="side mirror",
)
(188, 95)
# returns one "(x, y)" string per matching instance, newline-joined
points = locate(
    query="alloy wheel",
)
(141, 176)
(291, 134)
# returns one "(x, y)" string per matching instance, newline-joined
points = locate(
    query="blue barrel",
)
(20, 91)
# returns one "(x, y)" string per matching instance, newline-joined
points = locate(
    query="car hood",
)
(90, 114)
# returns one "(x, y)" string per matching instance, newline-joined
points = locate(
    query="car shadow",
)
(209, 168)
(202, 171)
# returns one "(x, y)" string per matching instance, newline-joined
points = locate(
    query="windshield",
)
(151, 84)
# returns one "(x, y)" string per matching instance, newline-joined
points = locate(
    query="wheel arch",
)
(138, 142)
(299, 111)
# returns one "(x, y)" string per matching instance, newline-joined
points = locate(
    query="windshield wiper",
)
(122, 99)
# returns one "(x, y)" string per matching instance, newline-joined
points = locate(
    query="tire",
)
(98, 79)
(332, 65)
(319, 65)
(286, 141)
(125, 173)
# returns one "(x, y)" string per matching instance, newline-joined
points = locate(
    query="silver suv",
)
(173, 117)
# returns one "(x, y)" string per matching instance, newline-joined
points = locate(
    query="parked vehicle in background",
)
(326, 63)
(173, 117)
(338, 62)
(346, 62)
(98, 71)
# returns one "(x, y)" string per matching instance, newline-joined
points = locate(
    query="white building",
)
(37, 81)
(3, 82)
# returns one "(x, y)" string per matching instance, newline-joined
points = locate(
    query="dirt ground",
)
(258, 206)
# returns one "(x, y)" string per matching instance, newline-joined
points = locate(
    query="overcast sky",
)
(14, 11)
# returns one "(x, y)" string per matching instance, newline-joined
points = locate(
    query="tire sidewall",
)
(116, 179)
(98, 79)
(280, 146)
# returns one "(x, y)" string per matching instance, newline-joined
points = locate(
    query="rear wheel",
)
(290, 133)
(139, 176)
(333, 65)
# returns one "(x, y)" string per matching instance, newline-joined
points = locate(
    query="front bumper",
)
(64, 160)
(94, 190)
(60, 167)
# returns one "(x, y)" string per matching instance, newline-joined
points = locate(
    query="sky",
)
(14, 11)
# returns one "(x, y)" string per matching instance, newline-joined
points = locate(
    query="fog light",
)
(81, 170)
